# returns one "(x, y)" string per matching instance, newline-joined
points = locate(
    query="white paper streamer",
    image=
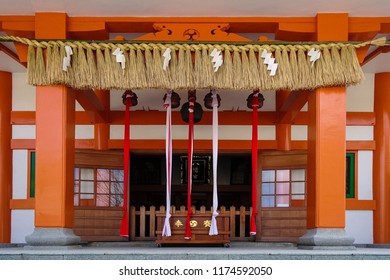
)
(270, 62)
(168, 158)
(214, 104)
(66, 59)
(217, 59)
(167, 58)
(120, 57)
(314, 55)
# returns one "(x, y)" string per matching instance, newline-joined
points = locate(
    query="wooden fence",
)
(143, 222)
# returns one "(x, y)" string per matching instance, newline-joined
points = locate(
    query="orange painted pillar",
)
(326, 163)
(382, 158)
(326, 170)
(55, 141)
(326, 158)
(283, 131)
(5, 156)
(102, 130)
(55, 120)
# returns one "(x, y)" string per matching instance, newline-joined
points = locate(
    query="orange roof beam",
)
(92, 105)
(292, 106)
(11, 54)
(375, 53)
(80, 26)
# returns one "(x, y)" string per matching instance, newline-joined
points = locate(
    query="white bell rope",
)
(214, 104)
(168, 158)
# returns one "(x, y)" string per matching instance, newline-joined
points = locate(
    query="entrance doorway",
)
(99, 193)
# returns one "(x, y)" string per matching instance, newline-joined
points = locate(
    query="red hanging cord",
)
(255, 106)
(191, 100)
(124, 229)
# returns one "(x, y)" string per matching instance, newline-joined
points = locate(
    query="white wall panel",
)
(365, 175)
(78, 107)
(22, 224)
(360, 98)
(360, 133)
(85, 132)
(23, 95)
(359, 225)
(19, 174)
(299, 132)
(204, 132)
(23, 132)
(152, 99)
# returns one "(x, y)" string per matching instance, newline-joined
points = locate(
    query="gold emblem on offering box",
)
(207, 223)
(178, 223)
(193, 223)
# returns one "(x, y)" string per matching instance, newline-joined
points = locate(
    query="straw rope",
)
(93, 64)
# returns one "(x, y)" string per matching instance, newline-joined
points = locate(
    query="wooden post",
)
(283, 131)
(142, 216)
(55, 134)
(132, 222)
(232, 221)
(382, 159)
(326, 170)
(326, 153)
(5, 156)
(102, 130)
(152, 219)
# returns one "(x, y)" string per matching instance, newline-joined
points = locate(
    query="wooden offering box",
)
(200, 226)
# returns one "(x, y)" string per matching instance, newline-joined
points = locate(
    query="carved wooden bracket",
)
(192, 32)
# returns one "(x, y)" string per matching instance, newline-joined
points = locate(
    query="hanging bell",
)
(198, 112)
(249, 100)
(133, 97)
(208, 100)
(175, 99)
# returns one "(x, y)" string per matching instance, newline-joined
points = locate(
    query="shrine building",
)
(239, 121)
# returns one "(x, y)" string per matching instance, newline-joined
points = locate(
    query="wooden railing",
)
(143, 222)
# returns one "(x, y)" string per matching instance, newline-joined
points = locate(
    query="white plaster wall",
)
(22, 224)
(23, 132)
(23, 95)
(19, 174)
(78, 107)
(365, 175)
(85, 132)
(265, 132)
(359, 225)
(204, 132)
(152, 99)
(360, 98)
(360, 133)
(299, 132)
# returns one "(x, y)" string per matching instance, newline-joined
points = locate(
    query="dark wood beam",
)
(92, 105)
(292, 106)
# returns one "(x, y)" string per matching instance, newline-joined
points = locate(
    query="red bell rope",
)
(255, 106)
(124, 229)
(191, 100)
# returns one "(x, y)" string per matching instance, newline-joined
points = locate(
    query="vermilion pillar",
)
(55, 140)
(326, 154)
(382, 158)
(5, 156)
(326, 170)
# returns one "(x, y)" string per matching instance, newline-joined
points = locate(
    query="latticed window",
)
(98, 187)
(283, 188)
